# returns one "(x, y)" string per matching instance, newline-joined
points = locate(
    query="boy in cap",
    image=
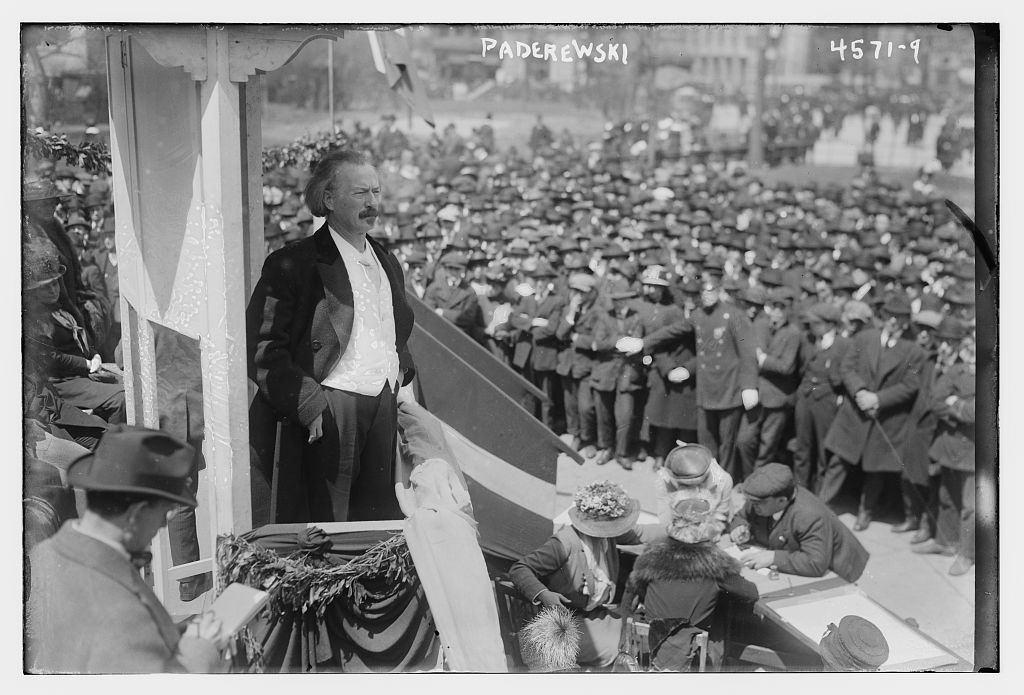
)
(798, 533)
(953, 403)
(764, 429)
(820, 390)
(453, 300)
(89, 611)
(670, 413)
(584, 318)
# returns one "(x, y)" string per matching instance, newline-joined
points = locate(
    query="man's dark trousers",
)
(350, 471)
(760, 436)
(717, 430)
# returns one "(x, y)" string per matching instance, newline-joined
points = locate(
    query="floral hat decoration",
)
(603, 510)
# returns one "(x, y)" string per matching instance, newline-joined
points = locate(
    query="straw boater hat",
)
(856, 644)
(603, 510)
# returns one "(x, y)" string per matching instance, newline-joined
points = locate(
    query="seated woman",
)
(76, 374)
(578, 567)
(680, 580)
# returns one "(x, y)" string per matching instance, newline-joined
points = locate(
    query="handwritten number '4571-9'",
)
(856, 52)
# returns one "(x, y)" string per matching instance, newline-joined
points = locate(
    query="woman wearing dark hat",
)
(680, 580)
(76, 373)
(691, 472)
(89, 611)
(578, 566)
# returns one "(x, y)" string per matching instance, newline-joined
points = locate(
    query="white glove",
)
(750, 398)
(679, 375)
(629, 346)
(539, 323)
(524, 290)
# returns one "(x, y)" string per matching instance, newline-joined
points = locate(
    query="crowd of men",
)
(749, 307)
(828, 327)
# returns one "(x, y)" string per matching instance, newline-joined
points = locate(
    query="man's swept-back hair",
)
(323, 175)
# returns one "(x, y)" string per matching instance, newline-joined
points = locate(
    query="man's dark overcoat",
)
(895, 375)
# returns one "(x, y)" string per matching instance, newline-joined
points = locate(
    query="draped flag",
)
(508, 457)
(393, 58)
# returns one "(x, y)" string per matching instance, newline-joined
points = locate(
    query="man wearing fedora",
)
(794, 530)
(89, 611)
(882, 374)
(327, 327)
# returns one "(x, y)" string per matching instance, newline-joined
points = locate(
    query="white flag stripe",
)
(376, 52)
(501, 477)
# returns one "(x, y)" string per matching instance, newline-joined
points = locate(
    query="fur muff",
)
(670, 560)
(551, 641)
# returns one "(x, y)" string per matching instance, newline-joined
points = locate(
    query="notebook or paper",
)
(237, 605)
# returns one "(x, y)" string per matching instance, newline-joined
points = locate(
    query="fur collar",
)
(669, 560)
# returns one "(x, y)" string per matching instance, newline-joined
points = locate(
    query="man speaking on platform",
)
(327, 327)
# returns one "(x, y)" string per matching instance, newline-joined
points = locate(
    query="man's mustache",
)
(368, 212)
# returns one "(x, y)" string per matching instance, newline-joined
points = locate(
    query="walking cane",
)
(899, 460)
(275, 475)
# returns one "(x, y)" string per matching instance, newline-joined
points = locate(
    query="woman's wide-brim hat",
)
(140, 461)
(605, 527)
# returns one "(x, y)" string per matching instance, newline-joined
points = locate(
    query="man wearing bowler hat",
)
(89, 611)
(796, 532)
(882, 374)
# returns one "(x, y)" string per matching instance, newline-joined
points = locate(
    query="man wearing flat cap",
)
(583, 319)
(882, 375)
(798, 533)
(540, 314)
(763, 429)
(89, 611)
(451, 297)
